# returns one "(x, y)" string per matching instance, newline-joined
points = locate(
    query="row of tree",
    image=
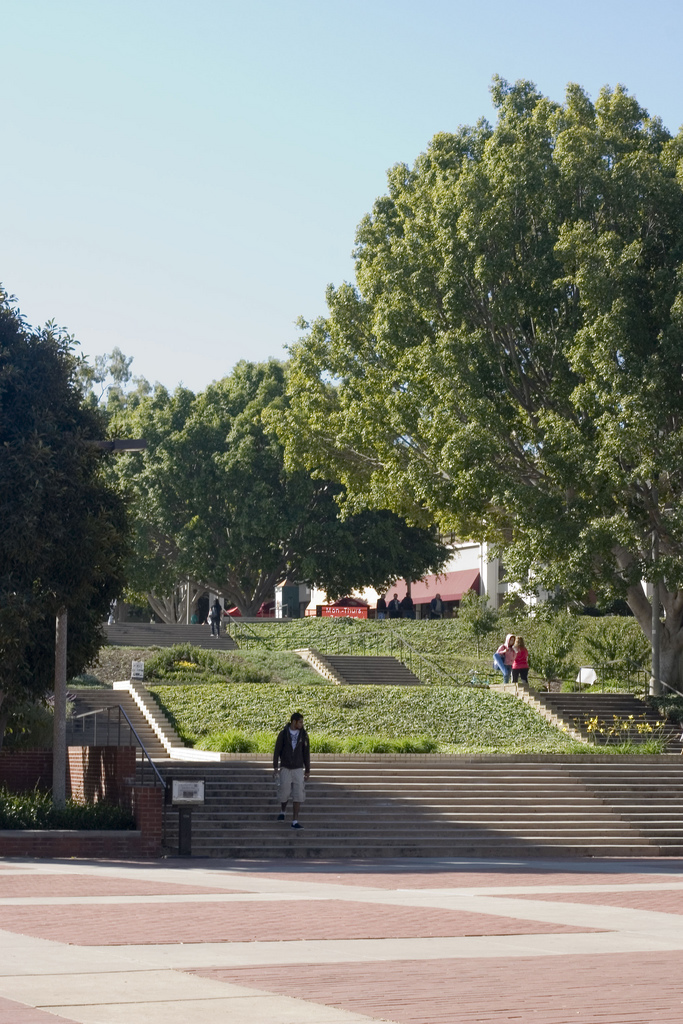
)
(212, 504)
(509, 367)
(63, 536)
(209, 503)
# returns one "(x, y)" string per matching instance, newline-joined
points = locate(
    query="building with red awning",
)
(452, 586)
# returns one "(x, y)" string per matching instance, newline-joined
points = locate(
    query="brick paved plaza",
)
(413, 942)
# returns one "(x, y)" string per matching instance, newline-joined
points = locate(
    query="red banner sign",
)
(332, 611)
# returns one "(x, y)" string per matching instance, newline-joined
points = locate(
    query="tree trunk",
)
(165, 607)
(671, 633)
(59, 727)
(4, 716)
(248, 603)
(670, 665)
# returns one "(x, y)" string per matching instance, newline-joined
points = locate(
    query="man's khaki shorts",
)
(291, 782)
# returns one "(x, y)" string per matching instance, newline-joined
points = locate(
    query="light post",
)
(655, 682)
(61, 625)
(655, 685)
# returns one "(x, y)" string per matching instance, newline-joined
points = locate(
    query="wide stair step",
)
(156, 634)
(440, 807)
(108, 728)
(603, 711)
(367, 670)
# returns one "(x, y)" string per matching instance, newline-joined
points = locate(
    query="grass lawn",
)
(450, 644)
(186, 664)
(442, 719)
(237, 700)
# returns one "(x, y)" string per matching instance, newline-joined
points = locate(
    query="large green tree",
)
(511, 360)
(62, 542)
(214, 506)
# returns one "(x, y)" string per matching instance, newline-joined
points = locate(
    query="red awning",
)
(451, 586)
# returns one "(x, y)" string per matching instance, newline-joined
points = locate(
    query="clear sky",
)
(183, 179)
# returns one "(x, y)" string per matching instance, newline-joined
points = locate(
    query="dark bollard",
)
(185, 831)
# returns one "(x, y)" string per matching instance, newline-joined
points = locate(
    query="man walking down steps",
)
(292, 766)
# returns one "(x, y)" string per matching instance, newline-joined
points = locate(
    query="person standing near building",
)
(436, 607)
(520, 666)
(215, 616)
(381, 608)
(292, 766)
(504, 657)
(394, 608)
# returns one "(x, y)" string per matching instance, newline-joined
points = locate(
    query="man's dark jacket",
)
(298, 757)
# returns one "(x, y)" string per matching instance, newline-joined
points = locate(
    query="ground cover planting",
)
(558, 644)
(35, 810)
(439, 718)
(184, 663)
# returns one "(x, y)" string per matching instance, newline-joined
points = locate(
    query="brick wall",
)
(148, 808)
(92, 774)
(100, 773)
(22, 770)
(109, 845)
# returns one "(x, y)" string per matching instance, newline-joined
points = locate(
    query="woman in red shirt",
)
(520, 666)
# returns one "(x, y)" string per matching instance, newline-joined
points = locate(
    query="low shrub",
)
(235, 741)
(614, 639)
(380, 744)
(630, 747)
(35, 810)
(669, 706)
(31, 724)
(186, 663)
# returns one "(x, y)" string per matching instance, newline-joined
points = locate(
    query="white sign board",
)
(586, 676)
(138, 670)
(187, 791)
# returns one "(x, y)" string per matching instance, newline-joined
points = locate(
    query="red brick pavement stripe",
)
(457, 878)
(634, 988)
(668, 901)
(27, 884)
(133, 924)
(18, 1013)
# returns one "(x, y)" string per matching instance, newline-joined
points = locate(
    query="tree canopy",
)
(62, 541)
(213, 503)
(510, 362)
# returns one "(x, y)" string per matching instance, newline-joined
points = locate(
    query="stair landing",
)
(161, 634)
(434, 806)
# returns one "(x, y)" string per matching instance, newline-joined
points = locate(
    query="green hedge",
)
(36, 811)
(454, 718)
(237, 741)
(184, 663)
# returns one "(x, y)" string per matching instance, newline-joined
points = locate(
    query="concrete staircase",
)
(104, 729)
(574, 710)
(359, 670)
(160, 634)
(435, 806)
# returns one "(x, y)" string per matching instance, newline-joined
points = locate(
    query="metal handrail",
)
(132, 730)
(672, 688)
(250, 634)
(391, 641)
(628, 666)
(384, 638)
(422, 658)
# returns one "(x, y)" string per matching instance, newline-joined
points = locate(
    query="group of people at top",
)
(512, 658)
(405, 609)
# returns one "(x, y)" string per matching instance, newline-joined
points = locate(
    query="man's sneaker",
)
(295, 824)
(281, 816)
